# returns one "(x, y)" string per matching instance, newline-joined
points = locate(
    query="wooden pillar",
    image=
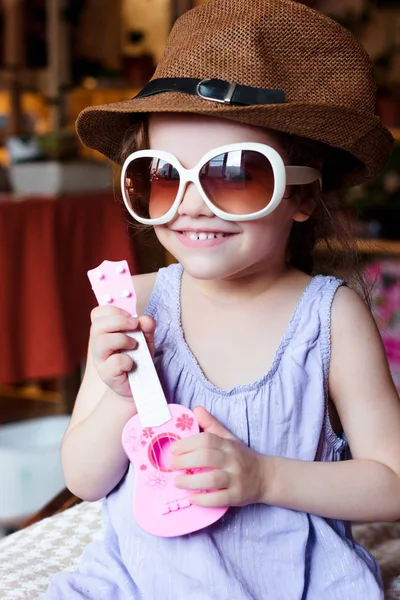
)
(13, 53)
(57, 62)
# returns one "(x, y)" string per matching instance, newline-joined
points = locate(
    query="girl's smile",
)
(203, 239)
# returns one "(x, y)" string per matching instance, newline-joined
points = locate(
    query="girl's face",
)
(245, 247)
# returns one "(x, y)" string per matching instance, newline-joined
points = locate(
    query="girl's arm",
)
(366, 488)
(92, 455)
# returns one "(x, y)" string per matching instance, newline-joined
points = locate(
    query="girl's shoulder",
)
(350, 309)
(316, 291)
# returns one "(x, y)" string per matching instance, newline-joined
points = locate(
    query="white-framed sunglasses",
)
(238, 182)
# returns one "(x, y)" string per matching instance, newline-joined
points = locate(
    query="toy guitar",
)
(159, 507)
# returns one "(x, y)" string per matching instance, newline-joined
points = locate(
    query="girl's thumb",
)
(148, 325)
(210, 424)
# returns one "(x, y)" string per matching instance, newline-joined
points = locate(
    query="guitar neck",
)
(145, 385)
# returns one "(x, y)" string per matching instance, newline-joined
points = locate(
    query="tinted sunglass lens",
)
(239, 182)
(151, 186)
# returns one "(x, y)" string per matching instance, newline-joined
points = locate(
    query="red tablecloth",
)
(46, 248)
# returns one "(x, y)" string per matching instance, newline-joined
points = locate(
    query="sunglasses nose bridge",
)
(191, 200)
(187, 177)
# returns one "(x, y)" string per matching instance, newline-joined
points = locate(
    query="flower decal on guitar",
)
(184, 422)
(131, 439)
(148, 432)
(157, 481)
(193, 471)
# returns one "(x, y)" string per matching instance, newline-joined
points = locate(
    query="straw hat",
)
(272, 63)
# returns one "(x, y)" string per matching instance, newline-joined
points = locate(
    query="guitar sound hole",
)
(159, 453)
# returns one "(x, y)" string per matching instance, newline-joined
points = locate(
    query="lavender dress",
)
(258, 552)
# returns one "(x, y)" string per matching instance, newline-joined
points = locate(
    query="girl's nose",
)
(192, 204)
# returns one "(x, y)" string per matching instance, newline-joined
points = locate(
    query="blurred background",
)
(59, 216)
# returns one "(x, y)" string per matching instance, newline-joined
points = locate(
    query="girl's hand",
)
(238, 473)
(108, 338)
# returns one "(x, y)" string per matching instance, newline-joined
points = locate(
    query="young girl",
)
(269, 105)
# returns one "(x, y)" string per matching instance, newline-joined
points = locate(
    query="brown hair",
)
(324, 244)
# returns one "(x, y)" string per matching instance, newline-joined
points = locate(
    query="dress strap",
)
(339, 444)
(166, 290)
(325, 312)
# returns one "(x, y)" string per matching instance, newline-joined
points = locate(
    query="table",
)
(46, 247)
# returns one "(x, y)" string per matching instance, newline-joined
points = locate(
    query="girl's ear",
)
(305, 205)
(301, 214)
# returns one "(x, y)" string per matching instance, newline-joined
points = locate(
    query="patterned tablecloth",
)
(29, 558)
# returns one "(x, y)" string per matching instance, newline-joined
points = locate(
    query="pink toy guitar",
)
(159, 507)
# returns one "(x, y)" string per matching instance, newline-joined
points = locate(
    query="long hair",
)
(325, 243)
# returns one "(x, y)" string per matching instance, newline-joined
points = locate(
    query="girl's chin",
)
(208, 269)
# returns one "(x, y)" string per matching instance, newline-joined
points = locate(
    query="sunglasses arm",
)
(302, 175)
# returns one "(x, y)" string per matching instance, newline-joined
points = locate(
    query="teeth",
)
(203, 235)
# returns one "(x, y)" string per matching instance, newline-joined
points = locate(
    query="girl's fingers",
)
(196, 442)
(199, 459)
(211, 499)
(148, 325)
(210, 480)
(108, 343)
(107, 311)
(113, 323)
(116, 365)
(114, 373)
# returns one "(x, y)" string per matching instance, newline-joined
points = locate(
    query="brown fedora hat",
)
(271, 63)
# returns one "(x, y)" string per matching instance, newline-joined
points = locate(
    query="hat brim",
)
(104, 128)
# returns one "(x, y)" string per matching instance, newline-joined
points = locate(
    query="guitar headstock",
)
(112, 284)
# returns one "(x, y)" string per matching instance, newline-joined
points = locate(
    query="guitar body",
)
(161, 508)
